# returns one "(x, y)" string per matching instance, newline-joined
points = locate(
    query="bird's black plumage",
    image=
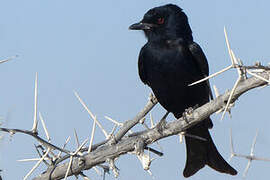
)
(168, 63)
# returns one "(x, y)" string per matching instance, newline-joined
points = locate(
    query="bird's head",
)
(164, 22)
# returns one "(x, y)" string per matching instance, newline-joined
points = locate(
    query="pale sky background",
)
(86, 46)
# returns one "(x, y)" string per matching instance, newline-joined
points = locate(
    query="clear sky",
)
(86, 46)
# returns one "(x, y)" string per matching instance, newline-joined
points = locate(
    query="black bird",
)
(168, 63)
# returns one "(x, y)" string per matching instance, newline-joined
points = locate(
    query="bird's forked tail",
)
(201, 152)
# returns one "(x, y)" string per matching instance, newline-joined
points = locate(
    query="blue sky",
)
(86, 46)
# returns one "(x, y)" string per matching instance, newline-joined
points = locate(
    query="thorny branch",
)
(122, 142)
(127, 144)
(251, 157)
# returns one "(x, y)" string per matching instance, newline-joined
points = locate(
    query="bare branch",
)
(34, 135)
(126, 144)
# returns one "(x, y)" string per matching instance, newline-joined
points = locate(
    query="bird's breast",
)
(169, 72)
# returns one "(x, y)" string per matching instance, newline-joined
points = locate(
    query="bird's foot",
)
(188, 112)
(152, 98)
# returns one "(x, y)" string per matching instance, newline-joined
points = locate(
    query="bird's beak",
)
(141, 26)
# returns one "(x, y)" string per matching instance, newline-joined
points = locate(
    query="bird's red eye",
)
(160, 20)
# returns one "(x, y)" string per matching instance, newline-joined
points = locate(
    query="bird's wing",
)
(199, 57)
(141, 66)
(201, 62)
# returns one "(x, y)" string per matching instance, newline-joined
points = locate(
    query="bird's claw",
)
(188, 112)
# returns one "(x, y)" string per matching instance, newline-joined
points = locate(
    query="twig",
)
(34, 135)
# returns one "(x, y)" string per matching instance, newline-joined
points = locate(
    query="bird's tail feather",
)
(201, 152)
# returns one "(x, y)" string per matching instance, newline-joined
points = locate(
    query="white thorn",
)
(69, 165)
(247, 167)
(35, 123)
(92, 137)
(145, 160)
(114, 121)
(76, 138)
(260, 159)
(231, 142)
(80, 147)
(44, 127)
(31, 159)
(117, 123)
(91, 114)
(230, 97)
(151, 120)
(97, 171)
(67, 140)
(231, 146)
(253, 144)
(113, 130)
(150, 173)
(236, 62)
(212, 75)
(216, 91)
(37, 164)
(257, 76)
(228, 45)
